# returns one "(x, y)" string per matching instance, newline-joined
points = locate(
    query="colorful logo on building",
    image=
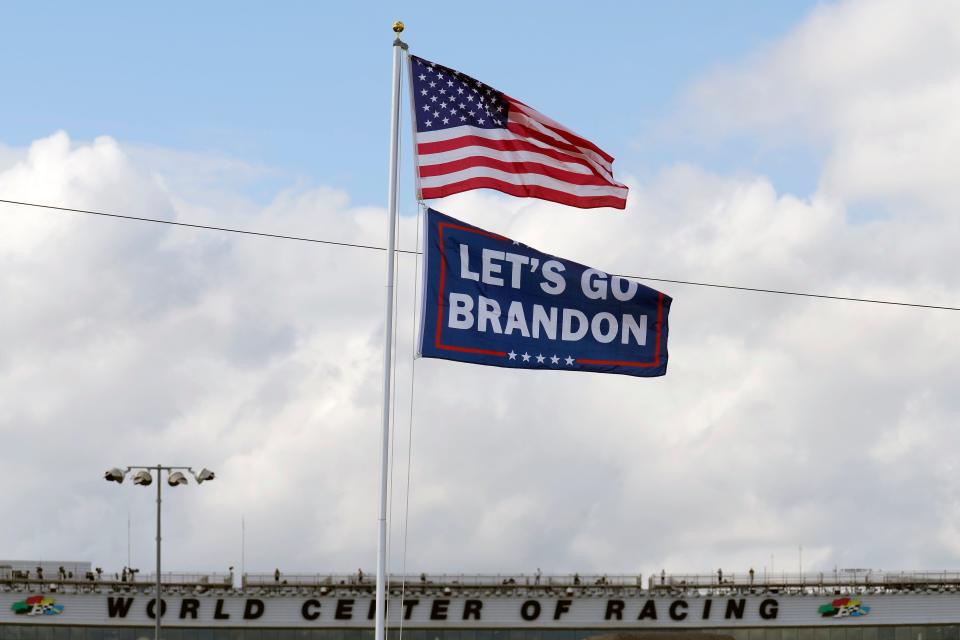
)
(37, 606)
(844, 607)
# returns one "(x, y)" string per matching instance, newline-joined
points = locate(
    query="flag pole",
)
(398, 47)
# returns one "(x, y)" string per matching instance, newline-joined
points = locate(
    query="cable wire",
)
(694, 283)
(413, 376)
(245, 232)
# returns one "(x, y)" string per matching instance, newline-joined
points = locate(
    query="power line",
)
(407, 251)
(796, 293)
(199, 226)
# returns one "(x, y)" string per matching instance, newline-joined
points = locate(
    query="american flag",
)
(471, 136)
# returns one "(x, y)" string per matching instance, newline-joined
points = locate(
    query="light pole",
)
(142, 477)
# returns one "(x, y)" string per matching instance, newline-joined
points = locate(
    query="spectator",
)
(276, 575)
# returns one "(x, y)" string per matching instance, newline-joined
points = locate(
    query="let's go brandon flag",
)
(491, 300)
(471, 136)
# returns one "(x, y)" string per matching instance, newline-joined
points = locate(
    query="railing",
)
(721, 581)
(135, 578)
(473, 581)
(837, 578)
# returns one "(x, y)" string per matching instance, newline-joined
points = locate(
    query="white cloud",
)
(782, 421)
(875, 81)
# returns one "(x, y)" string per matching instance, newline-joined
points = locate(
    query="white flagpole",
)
(398, 47)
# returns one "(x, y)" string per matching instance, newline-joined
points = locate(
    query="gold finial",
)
(398, 28)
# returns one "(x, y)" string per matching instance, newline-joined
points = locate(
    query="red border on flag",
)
(443, 271)
(449, 347)
(656, 353)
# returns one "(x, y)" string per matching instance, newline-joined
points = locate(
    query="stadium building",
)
(74, 601)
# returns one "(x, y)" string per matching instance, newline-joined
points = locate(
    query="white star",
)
(429, 123)
(423, 92)
(433, 98)
(460, 90)
(472, 113)
(526, 357)
(443, 105)
(449, 83)
(469, 98)
(463, 106)
(426, 107)
(569, 361)
(439, 76)
(540, 358)
(554, 359)
(436, 114)
(443, 90)
(453, 112)
(463, 118)
(499, 109)
(446, 121)
(433, 84)
(423, 77)
(512, 354)
(480, 120)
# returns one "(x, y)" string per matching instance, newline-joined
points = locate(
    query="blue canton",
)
(445, 98)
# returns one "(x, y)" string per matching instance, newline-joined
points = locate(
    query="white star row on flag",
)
(554, 359)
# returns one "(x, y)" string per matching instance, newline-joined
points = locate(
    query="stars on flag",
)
(540, 358)
(435, 83)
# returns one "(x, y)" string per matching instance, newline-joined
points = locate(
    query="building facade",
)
(97, 606)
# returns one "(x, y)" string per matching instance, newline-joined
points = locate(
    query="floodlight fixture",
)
(204, 475)
(114, 475)
(142, 476)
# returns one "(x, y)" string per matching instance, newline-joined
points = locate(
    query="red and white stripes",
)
(533, 156)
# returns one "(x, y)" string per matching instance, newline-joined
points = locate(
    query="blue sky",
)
(302, 87)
